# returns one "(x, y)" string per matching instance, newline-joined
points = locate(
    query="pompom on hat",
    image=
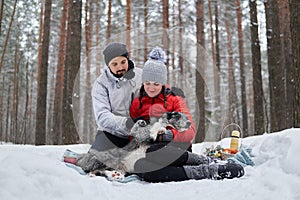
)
(113, 50)
(155, 69)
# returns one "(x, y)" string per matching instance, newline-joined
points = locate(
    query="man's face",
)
(118, 65)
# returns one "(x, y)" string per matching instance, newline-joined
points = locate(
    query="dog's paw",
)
(91, 174)
(111, 175)
(114, 175)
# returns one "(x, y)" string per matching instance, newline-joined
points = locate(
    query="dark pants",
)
(167, 154)
(164, 174)
(158, 168)
(105, 141)
(172, 171)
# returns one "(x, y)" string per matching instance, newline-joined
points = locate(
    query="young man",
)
(112, 94)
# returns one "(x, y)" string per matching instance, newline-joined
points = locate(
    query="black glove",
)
(140, 132)
(165, 137)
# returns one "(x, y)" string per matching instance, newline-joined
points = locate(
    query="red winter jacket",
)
(155, 107)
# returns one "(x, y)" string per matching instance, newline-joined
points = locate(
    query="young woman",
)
(170, 158)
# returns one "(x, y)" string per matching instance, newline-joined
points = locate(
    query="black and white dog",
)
(119, 161)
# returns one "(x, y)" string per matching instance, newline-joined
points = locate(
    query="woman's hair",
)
(143, 93)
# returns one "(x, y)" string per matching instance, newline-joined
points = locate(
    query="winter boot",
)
(196, 159)
(230, 170)
(203, 171)
(214, 171)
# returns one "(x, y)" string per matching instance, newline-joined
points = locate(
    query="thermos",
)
(234, 143)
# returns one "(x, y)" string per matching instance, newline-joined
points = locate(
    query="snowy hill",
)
(30, 172)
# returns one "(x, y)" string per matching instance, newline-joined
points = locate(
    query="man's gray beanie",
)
(113, 50)
(155, 69)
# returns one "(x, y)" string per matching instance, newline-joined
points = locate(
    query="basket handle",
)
(232, 124)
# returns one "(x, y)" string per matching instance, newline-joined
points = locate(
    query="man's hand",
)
(129, 123)
(140, 131)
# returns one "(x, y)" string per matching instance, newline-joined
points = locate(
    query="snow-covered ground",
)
(31, 172)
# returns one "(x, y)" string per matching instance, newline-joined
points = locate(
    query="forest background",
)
(237, 61)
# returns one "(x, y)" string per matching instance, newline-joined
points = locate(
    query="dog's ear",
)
(142, 123)
(173, 115)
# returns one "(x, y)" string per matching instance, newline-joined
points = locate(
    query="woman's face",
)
(152, 88)
(118, 65)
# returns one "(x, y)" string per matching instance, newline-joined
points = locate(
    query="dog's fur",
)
(119, 161)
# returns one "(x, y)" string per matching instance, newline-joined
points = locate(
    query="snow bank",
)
(31, 172)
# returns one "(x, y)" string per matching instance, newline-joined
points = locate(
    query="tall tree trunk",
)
(1, 109)
(146, 30)
(40, 39)
(180, 51)
(59, 83)
(212, 46)
(165, 25)
(40, 130)
(50, 103)
(276, 77)
(231, 86)
(218, 60)
(295, 30)
(218, 65)
(128, 23)
(15, 123)
(200, 63)
(216, 68)
(258, 104)
(88, 39)
(31, 113)
(286, 57)
(7, 35)
(172, 74)
(242, 69)
(7, 115)
(98, 27)
(72, 64)
(1, 14)
(108, 30)
(23, 130)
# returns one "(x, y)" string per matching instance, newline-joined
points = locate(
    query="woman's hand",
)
(164, 135)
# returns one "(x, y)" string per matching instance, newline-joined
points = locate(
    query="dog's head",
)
(177, 120)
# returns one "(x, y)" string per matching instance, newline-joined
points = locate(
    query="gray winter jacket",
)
(111, 101)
